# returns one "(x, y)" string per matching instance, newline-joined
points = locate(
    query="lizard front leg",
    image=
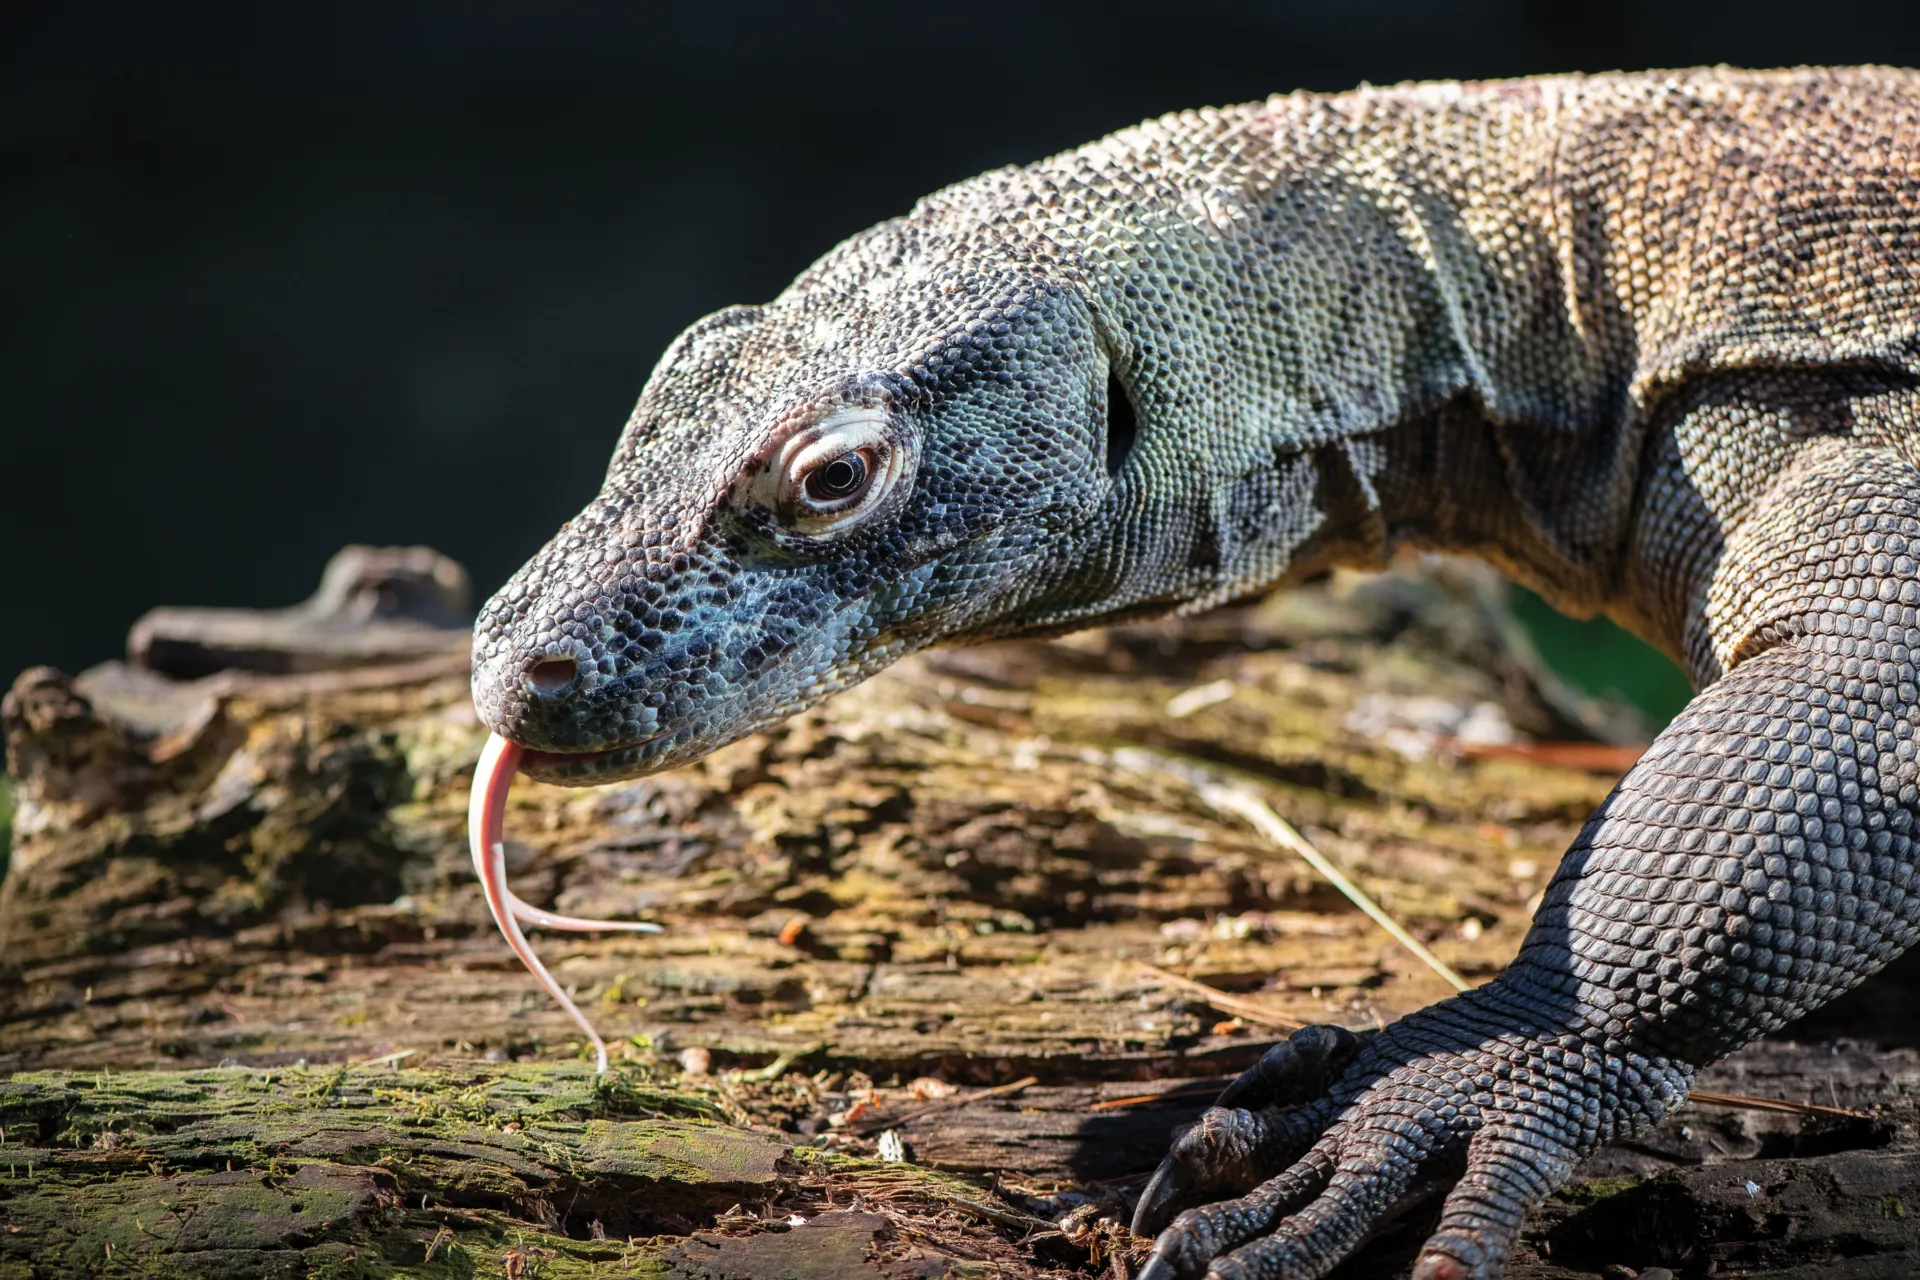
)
(1756, 862)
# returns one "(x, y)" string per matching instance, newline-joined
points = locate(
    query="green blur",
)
(1603, 661)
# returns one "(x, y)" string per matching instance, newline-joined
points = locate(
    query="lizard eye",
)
(840, 481)
(837, 473)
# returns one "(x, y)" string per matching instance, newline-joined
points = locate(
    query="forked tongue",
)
(486, 820)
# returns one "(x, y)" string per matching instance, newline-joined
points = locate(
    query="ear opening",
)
(1123, 426)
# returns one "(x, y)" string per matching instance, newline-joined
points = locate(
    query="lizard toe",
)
(1295, 1070)
(1199, 1236)
(1228, 1149)
(1374, 1178)
(1509, 1166)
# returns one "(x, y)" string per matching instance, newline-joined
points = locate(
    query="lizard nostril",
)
(553, 676)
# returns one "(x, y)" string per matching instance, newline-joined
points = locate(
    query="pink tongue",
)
(486, 818)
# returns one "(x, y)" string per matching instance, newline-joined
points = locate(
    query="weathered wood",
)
(959, 870)
(479, 1169)
(517, 1171)
(374, 605)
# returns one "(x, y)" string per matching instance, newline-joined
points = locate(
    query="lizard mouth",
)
(584, 768)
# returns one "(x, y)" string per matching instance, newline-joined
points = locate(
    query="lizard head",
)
(899, 450)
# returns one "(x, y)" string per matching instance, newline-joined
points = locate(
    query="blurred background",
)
(275, 278)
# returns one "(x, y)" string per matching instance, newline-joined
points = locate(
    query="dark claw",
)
(1157, 1268)
(1227, 1150)
(1157, 1204)
(1299, 1067)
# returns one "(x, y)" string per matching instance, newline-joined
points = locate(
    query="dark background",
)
(281, 277)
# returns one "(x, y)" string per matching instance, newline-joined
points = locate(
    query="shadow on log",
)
(240, 929)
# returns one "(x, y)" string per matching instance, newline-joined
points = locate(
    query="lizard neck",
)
(1318, 325)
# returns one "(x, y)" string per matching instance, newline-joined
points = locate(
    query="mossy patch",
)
(1594, 1190)
(522, 1171)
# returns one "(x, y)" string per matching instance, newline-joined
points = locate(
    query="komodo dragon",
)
(1650, 344)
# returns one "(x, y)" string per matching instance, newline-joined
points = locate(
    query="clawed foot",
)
(1246, 1137)
(1331, 1137)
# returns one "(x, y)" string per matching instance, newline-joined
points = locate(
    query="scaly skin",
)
(1650, 344)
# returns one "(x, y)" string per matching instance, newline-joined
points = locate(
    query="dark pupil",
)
(841, 477)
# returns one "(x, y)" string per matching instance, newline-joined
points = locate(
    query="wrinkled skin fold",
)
(1650, 344)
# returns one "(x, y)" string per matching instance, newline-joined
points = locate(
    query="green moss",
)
(472, 1172)
(1597, 1189)
(361, 1171)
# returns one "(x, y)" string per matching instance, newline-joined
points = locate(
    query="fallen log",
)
(982, 866)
